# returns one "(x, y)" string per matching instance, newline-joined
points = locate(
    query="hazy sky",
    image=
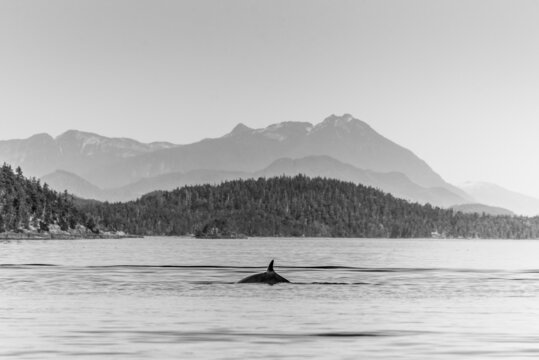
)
(457, 82)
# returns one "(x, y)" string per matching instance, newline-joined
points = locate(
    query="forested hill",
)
(281, 206)
(297, 206)
(26, 204)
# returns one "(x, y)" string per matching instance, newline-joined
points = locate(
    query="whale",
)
(269, 277)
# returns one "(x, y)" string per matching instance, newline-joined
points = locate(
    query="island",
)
(282, 206)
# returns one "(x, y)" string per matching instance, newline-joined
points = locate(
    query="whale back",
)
(268, 277)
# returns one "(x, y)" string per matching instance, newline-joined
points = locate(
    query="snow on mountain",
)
(117, 162)
(73, 151)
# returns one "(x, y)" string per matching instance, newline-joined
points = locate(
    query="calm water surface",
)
(171, 298)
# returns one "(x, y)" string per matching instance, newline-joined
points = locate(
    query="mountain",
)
(398, 184)
(81, 151)
(61, 180)
(73, 151)
(244, 149)
(494, 195)
(323, 166)
(37, 155)
(123, 168)
(354, 142)
(171, 181)
(482, 209)
(65, 181)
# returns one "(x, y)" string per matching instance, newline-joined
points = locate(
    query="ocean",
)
(178, 298)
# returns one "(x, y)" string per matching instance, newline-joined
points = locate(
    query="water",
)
(170, 298)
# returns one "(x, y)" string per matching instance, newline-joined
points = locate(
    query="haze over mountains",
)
(341, 147)
(74, 151)
(482, 209)
(395, 183)
(494, 195)
(249, 150)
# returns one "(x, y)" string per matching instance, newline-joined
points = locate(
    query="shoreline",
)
(111, 236)
(52, 236)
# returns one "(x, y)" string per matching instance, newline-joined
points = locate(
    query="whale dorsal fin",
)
(270, 266)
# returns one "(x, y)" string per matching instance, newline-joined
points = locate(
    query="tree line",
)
(299, 206)
(279, 206)
(26, 204)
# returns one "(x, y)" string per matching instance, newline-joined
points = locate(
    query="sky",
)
(457, 82)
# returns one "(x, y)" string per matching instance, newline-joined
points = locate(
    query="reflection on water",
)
(160, 298)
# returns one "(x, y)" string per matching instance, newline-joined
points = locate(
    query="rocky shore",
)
(56, 233)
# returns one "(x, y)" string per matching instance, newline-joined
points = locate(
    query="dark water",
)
(172, 298)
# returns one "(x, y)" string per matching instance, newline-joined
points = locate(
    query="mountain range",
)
(324, 166)
(244, 149)
(482, 209)
(342, 147)
(495, 195)
(74, 151)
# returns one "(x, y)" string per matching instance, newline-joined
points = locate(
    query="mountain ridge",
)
(344, 138)
(324, 166)
(112, 163)
(73, 151)
(495, 195)
(482, 209)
